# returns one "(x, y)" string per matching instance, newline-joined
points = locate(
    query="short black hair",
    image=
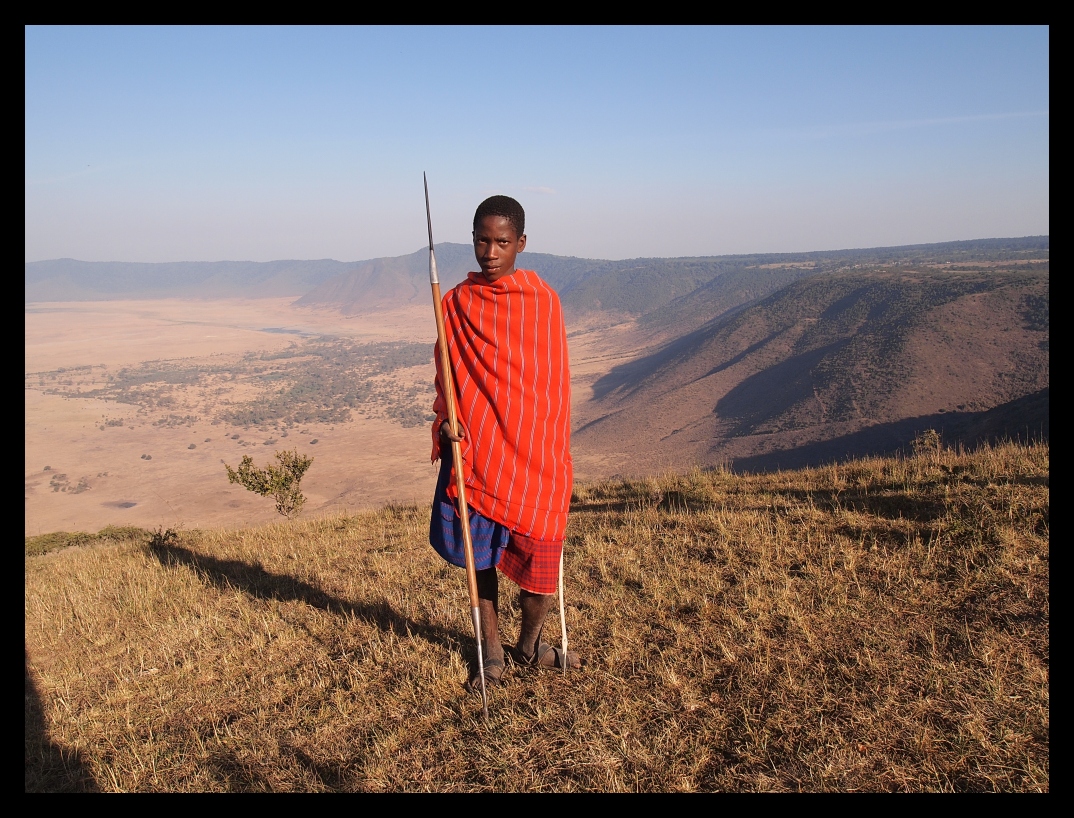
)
(503, 206)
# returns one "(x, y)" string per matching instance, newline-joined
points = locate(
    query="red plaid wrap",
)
(532, 564)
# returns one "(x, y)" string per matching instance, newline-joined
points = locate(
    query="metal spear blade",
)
(433, 278)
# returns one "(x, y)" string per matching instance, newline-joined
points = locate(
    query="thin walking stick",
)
(562, 613)
(447, 383)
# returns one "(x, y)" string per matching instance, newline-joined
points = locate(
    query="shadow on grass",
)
(257, 582)
(238, 774)
(898, 505)
(49, 767)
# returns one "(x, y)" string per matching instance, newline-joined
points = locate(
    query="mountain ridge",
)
(635, 286)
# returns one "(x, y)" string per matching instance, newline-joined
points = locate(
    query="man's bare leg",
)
(488, 593)
(535, 609)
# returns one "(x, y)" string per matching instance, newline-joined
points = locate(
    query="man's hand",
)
(446, 437)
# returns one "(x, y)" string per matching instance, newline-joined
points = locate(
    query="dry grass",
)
(881, 625)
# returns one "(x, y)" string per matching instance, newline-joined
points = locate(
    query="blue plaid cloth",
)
(445, 527)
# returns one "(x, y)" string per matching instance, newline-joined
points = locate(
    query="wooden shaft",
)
(447, 382)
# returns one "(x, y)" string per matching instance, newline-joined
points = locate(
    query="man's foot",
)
(494, 669)
(548, 656)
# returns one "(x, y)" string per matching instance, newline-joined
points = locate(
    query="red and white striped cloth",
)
(508, 348)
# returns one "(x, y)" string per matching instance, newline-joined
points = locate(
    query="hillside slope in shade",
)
(826, 357)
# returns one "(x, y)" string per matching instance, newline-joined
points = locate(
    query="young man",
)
(508, 349)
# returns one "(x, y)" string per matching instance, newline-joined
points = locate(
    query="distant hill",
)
(350, 286)
(675, 294)
(400, 280)
(388, 282)
(67, 279)
(829, 356)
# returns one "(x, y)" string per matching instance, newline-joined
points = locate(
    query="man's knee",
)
(524, 594)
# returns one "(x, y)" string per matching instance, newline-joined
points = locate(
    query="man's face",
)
(495, 245)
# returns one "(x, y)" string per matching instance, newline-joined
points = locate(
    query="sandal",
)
(494, 670)
(538, 658)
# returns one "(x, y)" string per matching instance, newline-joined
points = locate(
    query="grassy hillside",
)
(855, 339)
(880, 625)
(829, 355)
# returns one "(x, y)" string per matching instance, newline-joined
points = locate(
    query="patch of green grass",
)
(44, 543)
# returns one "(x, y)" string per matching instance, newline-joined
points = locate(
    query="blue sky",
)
(188, 144)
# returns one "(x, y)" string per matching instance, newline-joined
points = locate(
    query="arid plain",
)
(93, 462)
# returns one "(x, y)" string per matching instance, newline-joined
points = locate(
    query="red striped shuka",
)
(508, 348)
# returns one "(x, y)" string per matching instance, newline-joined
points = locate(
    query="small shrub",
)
(42, 544)
(927, 444)
(279, 482)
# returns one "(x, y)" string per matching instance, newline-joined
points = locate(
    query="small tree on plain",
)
(279, 482)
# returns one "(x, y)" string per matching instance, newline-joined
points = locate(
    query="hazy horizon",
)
(523, 254)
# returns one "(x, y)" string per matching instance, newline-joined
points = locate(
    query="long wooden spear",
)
(447, 382)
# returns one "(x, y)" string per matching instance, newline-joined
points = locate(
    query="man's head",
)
(504, 206)
(499, 235)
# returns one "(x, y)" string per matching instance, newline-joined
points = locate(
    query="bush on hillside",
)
(281, 482)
